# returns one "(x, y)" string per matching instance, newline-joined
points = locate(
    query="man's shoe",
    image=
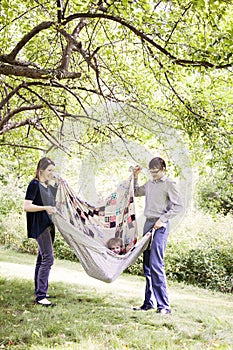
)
(143, 308)
(45, 302)
(163, 311)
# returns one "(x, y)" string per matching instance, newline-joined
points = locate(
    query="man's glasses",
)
(152, 171)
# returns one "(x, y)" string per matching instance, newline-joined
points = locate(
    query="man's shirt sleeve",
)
(176, 203)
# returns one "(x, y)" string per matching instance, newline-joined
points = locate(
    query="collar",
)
(162, 179)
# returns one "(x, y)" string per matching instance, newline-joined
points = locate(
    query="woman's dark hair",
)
(42, 165)
(157, 163)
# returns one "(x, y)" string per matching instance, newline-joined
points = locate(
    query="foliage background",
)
(82, 80)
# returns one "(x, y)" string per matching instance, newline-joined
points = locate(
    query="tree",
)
(67, 62)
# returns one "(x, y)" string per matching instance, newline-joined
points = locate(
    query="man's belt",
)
(151, 219)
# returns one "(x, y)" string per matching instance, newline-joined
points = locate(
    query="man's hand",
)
(136, 171)
(158, 224)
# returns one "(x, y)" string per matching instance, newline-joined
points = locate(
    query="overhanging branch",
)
(44, 25)
(17, 111)
(21, 71)
(13, 145)
(144, 37)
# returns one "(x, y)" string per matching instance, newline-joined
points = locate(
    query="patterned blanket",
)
(112, 217)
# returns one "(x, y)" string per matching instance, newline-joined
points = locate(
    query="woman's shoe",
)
(45, 302)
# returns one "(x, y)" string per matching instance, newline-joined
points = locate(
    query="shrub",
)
(214, 194)
(62, 249)
(207, 266)
(11, 219)
(12, 229)
(27, 246)
(136, 268)
(13, 232)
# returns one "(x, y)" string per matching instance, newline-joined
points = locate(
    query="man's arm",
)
(177, 205)
(138, 190)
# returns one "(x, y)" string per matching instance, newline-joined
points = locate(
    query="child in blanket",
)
(115, 244)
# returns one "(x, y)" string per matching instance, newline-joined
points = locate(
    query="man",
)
(162, 203)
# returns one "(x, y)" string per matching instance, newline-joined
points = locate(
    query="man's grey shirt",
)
(162, 198)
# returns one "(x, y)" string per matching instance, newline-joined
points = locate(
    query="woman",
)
(39, 205)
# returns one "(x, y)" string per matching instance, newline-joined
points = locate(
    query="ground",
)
(73, 273)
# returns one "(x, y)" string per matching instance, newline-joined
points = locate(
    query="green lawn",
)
(93, 315)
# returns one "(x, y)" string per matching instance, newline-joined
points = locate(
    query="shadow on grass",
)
(86, 319)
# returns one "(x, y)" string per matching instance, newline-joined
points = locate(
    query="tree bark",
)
(33, 73)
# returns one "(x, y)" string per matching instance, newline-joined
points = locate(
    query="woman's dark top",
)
(38, 221)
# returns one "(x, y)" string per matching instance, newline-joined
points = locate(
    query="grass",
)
(93, 315)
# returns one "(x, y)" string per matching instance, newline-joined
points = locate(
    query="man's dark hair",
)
(157, 163)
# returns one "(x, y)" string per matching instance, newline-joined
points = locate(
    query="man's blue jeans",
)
(153, 266)
(44, 262)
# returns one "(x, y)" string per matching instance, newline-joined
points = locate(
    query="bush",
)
(206, 266)
(12, 224)
(136, 268)
(12, 229)
(27, 245)
(214, 194)
(13, 232)
(62, 250)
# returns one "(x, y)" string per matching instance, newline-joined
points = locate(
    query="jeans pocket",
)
(162, 230)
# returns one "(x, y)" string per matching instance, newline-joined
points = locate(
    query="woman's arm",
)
(30, 207)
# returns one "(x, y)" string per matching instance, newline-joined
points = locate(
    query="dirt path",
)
(59, 273)
(126, 286)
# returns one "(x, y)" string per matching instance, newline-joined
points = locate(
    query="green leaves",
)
(169, 60)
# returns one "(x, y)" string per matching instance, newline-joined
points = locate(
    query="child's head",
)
(157, 167)
(115, 245)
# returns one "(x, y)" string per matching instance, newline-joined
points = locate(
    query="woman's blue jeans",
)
(44, 262)
(153, 266)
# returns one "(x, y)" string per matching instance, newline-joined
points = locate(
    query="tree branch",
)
(205, 64)
(16, 111)
(16, 125)
(147, 39)
(11, 56)
(78, 47)
(122, 22)
(176, 24)
(32, 73)
(48, 136)
(45, 101)
(8, 144)
(59, 10)
(12, 93)
(72, 93)
(69, 47)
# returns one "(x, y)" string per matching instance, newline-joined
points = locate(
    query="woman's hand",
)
(50, 210)
(56, 179)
